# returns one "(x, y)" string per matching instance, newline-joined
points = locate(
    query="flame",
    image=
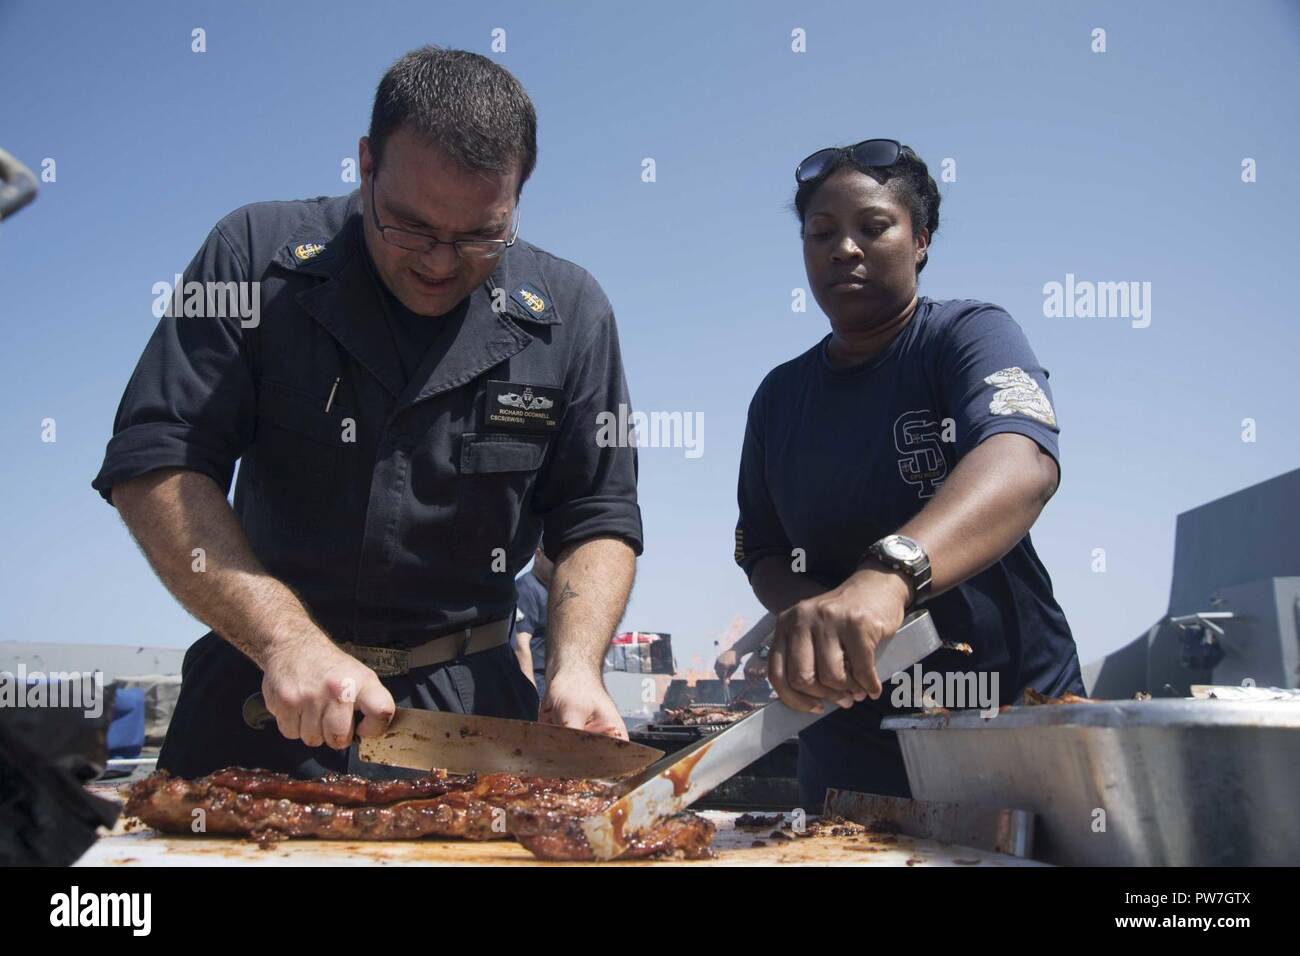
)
(690, 675)
(701, 669)
(732, 633)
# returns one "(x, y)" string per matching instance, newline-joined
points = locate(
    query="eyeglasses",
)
(420, 242)
(869, 152)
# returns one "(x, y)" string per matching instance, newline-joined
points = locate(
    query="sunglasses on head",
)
(869, 152)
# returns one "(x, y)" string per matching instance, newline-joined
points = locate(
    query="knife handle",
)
(258, 717)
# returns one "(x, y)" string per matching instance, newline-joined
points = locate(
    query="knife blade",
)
(465, 743)
(672, 784)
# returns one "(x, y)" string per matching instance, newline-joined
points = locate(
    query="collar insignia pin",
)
(535, 302)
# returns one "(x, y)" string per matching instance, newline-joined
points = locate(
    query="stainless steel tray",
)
(1157, 782)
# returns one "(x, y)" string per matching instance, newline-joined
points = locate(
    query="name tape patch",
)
(534, 408)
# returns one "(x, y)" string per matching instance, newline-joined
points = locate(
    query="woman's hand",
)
(825, 646)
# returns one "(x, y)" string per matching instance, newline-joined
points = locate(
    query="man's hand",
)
(313, 688)
(588, 593)
(726, 665)
(756, 667)
(580, 700)
(825, 646)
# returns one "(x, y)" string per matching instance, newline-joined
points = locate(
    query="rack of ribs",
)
(542, 813)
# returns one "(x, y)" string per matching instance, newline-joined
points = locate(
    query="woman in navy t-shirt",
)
(900, 460)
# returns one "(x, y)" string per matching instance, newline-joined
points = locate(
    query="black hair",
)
(463, 102)
(910, 181)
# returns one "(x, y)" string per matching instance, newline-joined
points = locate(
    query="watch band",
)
(916, 572)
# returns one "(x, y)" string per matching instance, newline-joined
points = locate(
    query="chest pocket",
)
(497, 474)
(481, 454)
(300, 446)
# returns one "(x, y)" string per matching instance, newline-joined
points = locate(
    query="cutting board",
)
(733, 846)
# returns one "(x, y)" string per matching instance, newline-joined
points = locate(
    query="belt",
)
(392, 661)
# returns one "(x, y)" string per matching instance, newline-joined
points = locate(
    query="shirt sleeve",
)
(191, 401)
(993, 383)
(759, 532)
(589, 487)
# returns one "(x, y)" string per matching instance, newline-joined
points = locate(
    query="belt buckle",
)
(384, 661)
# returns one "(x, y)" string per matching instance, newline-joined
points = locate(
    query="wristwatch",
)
(900, 553)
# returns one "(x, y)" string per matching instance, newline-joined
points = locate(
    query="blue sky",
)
(1115, 166)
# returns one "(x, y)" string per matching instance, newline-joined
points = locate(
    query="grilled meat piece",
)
(1035, 699)
(337, 788)
(271, 806)
(174, 805)
(758, 821)
(551, 830)
(695, 715)
(835, 826)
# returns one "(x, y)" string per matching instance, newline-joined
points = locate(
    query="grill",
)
(769, 783)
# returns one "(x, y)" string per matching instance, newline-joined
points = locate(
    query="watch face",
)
(900, 549)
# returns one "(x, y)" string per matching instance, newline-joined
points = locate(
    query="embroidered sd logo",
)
(918, 438)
